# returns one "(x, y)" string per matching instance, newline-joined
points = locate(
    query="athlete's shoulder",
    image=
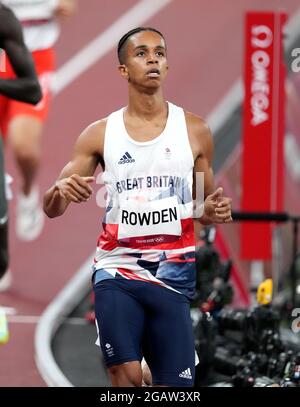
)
(91, 140)
(97, 128)
(7, 15)
(9, 25)
(197, 125)
(5, 11)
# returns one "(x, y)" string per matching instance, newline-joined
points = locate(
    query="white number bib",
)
(149, 223)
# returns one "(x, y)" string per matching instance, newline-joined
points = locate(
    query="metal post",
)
(293, 276)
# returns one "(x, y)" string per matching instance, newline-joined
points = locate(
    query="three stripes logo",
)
(126, 159)
(186, 374)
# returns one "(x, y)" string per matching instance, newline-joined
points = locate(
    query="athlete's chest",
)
(164, 158)
(145, 131)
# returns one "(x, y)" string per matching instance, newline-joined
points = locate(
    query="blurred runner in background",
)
(23, 123)
(25, 87)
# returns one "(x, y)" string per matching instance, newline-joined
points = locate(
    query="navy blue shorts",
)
(139, 319)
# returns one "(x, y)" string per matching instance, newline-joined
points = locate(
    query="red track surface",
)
(205, 41)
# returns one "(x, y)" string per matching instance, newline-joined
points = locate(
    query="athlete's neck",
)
(146, 106)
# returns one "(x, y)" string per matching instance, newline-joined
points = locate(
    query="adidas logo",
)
(126, 159)
(186, 374)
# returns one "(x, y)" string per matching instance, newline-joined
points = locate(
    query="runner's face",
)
(146, 62)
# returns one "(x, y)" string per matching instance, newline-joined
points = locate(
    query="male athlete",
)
(144, 271)
(22, 123)
(24, 87)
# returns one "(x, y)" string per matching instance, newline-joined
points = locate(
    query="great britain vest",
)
(148, 232)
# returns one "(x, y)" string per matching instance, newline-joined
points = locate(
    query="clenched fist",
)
(217, 208)
(75, 188)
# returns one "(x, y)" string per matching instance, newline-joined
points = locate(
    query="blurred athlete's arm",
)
(25, 87)
(217, 208)
(73, 184)
(66, 8)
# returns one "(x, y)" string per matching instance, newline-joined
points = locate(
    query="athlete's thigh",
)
(169, 345)
(120, 319)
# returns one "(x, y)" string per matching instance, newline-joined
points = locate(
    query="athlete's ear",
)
(123, 71)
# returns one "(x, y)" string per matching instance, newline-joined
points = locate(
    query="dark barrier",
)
(277, 217)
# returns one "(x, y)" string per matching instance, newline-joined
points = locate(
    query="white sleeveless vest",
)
(148, 232)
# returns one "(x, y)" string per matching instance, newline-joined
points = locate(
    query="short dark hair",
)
(123, 40)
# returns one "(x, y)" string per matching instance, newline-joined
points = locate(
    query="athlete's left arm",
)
(217, 208)
(25, 87)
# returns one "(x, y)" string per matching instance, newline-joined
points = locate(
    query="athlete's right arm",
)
(73, 184)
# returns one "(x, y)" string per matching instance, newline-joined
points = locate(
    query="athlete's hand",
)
(66, 8)
(75, 188)
(217, 208)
